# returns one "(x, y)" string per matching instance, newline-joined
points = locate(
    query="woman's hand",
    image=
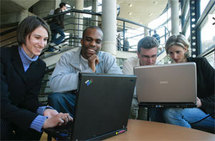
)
(57, 120)
(198, 102)
(50, 112)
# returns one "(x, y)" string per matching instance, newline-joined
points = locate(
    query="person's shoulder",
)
(41, 62)
(200, 61)
(73, 53)
(197, 59)
(132, 60)
(57, 9)
(103, 54)
(7, 51)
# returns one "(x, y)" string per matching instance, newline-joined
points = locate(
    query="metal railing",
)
(77, 20)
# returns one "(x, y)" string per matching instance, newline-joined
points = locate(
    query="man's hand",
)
(198, 102)
(93, 61)
(50, 112)
(57, 120)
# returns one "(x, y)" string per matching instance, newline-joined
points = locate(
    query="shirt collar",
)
(24, 57)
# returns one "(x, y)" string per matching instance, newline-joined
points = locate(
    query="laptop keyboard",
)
(167, 105)
(60, 132)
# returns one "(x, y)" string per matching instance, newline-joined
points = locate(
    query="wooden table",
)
(155, 131)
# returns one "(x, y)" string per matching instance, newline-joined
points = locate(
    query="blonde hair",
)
(179, 40)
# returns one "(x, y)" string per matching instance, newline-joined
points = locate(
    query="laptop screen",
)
(103, 105)
(167, 85)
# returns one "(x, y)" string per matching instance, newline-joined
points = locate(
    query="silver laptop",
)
(169, 85)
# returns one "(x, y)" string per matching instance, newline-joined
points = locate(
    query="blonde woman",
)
(201, 117)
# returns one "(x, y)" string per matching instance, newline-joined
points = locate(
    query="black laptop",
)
(102, 107)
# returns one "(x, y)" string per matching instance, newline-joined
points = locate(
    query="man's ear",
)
(185, 49)
(138, 54)
(82, 42)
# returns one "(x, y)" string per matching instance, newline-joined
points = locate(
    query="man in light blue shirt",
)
(88, 58)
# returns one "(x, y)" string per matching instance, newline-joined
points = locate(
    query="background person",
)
(88, 58)
(119, 45)
(201, 117)
(22, 116)
(147, 49)
(156, 36)
(57, 26)
(126, 45)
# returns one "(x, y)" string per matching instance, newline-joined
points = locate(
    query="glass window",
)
(203, 5)
(207, 32)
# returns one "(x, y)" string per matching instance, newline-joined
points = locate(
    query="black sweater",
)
(205, 84)
(19, 89)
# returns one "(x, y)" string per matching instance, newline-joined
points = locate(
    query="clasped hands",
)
(55, 118)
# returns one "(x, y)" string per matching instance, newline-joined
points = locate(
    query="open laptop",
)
(102, 107)
(169, 85)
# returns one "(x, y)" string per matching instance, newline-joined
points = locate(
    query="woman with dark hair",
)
(22, 116)
(201, 117)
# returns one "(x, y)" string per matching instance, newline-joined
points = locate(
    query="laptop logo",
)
(88, 82)
(164, 82)
(120, 132)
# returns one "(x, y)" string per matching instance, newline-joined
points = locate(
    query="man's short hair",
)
(28, 25)
(147, 42)
(91, 27)
(62, 4)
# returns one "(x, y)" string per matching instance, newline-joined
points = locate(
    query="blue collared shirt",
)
(38, 122)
